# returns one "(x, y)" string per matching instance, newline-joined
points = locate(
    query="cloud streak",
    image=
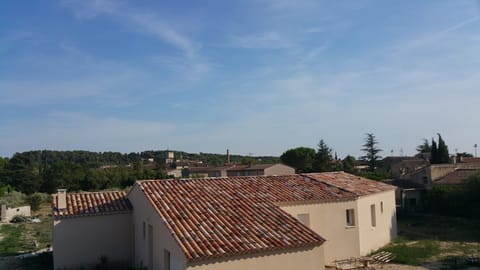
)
(141, 21)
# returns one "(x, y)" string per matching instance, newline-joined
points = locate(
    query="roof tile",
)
(92, 203)
(357, 185)
(216, 217)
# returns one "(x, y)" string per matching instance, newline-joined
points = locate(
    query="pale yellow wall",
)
(163, 239)
(372, 238)
(279, 169)
(329, 221)
(304, 259)
(82, 241)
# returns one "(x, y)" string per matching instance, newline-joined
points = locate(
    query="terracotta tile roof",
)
(457, 177)
(468, 160)
(218, 217)
(92, 203)
(357, 185)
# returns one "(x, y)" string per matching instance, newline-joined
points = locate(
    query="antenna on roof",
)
(228, 156)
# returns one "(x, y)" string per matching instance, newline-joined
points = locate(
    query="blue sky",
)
(257, 77)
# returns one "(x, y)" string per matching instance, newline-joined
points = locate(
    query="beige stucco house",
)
(255, 222)
(238, 170)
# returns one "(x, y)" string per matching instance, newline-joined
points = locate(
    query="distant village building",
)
(256, 222)
(238, 170)
(413, 184)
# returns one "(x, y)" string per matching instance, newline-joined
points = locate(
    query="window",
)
(166, 259)
(350, 217)
(381, 207)
(144, 230)
(304, 219)
(373, 216)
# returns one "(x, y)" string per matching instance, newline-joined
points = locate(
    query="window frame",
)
(167, 263)
(373, 215)
(350, 217)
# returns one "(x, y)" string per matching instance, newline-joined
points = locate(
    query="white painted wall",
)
(163, 239)
(329, 221)
(372, 238)
(81, 241)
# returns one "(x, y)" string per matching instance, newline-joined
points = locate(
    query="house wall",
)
(81, 241)
(162, 237)
(374, 237)
(329, 221)
(305, 259)
(9, 213)
(279, 169)
(244, 172)
(407, 196)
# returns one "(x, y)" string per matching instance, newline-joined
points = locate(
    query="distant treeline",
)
(45, 171)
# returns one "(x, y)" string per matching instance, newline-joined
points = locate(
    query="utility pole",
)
(475, 146)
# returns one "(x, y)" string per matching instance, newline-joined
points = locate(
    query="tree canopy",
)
(323, 158)
(439, 154)
(425, 147)
(371, 151)
(300, 158)
(45, 171)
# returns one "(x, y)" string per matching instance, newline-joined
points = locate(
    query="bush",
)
(13, 199)
(34, 200)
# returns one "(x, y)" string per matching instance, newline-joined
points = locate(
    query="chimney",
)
(228, 157)
(61, 198)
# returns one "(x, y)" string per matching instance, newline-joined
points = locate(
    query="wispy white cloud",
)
(270, 40)
(140, 20)
(427, 39)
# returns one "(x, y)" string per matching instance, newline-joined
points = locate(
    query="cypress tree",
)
(434, 154)
(443, 156)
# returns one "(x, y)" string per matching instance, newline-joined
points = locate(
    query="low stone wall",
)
(9, 213)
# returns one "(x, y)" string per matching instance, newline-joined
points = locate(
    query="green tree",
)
(371, 151)
(34, 200)
(434, 153)
(348, 164)
(443, 155)
(424, 147)
(300, 158)
(323, 158)
(23, 174)
(439, 154)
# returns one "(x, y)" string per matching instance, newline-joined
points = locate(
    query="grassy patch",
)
(435, 239)
(413, 253)
(13, 239)
(20, 238)
(440, 228)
